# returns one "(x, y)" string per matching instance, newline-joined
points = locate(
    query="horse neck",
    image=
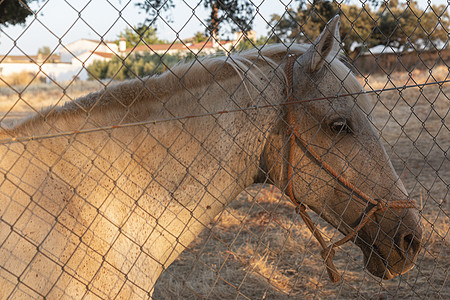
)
(175, 175)
(191, 103)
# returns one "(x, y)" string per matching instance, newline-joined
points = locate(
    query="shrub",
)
(136, 65)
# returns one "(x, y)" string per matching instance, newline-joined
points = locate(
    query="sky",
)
(65, 21)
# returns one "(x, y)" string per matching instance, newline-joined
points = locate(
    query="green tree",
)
(238, 14)
(247, 43)
(13, 12)
(305, 23)
(393, 24)
(45, 51)
(97, 70)
(199, 37)
(136, 65)
(405, 25)
(356, 30)
(435, 26)
(140, 34)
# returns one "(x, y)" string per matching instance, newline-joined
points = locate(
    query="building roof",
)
(104, 54)
(93, 41)
(29, 58)
(175, 46)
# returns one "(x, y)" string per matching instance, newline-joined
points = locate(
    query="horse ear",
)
(328, 42)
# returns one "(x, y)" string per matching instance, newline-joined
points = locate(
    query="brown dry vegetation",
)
(258, 248)
(18, 101)
(22, 78)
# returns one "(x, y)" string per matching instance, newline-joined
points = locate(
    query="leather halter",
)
(380, 205)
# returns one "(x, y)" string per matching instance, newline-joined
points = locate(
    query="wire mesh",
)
(125, 185)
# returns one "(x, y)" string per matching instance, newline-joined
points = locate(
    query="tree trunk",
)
(215, 19)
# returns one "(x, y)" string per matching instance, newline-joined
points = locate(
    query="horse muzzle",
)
(391, 245)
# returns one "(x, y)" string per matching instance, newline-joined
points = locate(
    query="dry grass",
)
(23, 78)
(19, 100)
(258, 248)
(399, 79)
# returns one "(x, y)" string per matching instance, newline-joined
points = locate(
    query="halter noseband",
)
(327, 252)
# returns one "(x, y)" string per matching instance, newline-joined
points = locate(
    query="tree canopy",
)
(136, 65)
(238, 14)
(404, 26)
(13, 12)
(45, 50)
(393, 24)
(140, 34)
(199, 37)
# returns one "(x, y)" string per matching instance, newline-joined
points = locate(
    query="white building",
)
(74, 58)
(182, 49)
(72, 61)
(84, 46)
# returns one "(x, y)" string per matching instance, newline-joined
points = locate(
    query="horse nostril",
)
(410, 245)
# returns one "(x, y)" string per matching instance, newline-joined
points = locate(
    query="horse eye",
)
(340, 126)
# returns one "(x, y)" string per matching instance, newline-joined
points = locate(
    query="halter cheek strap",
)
(380, 205)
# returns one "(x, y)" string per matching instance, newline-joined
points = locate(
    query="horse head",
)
(340, 168)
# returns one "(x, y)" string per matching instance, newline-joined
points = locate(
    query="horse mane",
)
(206, 69)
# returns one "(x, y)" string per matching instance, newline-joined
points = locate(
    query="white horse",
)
(91, 211)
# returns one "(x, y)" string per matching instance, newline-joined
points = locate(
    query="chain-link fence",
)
(169, 149)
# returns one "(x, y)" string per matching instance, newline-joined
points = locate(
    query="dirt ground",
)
(258, 248)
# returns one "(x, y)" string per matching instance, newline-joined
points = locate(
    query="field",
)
(258, 248)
